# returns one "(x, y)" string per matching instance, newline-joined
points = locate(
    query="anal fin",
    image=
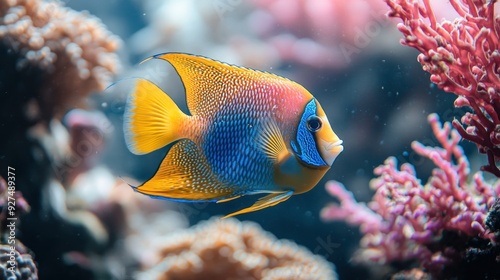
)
(185, 175)
(264, 202)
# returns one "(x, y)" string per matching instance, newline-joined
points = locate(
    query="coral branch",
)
(463, 58)
(408, 220)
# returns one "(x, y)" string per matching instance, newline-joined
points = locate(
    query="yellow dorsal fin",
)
(185, 175)
(271, 141)
(264, 202)
(210, 84)
(152, 119)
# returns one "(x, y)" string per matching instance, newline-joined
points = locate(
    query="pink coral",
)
(319, 33)
(462, 57)
(405, 218)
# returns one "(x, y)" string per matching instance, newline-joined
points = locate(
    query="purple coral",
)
(407, 220)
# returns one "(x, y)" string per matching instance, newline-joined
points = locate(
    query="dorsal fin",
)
(209, 83)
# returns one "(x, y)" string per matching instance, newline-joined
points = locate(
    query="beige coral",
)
(229, 249)
(73, 48)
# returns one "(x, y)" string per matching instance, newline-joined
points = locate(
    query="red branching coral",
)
(462, 57)
(407, 220)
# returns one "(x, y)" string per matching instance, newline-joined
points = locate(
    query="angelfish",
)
(247, 132)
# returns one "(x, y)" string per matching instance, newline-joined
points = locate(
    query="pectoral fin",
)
(271, 141)
(264, 202)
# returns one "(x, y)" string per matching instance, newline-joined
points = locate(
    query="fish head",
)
(328, 143)
(316, 145)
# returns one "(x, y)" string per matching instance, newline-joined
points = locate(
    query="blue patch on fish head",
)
(304, 146)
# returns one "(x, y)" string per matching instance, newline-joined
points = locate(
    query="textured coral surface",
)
(229, 249)
(75, 50)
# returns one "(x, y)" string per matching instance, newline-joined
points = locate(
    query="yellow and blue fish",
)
(248, 132)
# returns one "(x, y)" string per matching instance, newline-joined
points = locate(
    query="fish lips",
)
(330, 150)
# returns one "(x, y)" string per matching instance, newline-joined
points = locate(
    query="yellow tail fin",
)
(152, 119)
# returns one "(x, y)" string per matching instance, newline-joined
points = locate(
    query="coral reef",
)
(492, 221)
(229, 249)
(53, 58)
(15, 260)
(441, 224)
(320, 34)
(127, 221)
(21, 207)
(86, 224)
(73, 49)
(25, 268)
(412, 274)
(462, 58)
(262, 34)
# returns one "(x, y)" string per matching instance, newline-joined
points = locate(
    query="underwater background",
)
(66, 68)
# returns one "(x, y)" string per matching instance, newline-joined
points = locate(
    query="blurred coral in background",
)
(25, 267)
(53, 58)
(16, 261)
(210, 28)
(229, 249)
(261, 34)
(442, 224)
(330, 32)
(74, 50)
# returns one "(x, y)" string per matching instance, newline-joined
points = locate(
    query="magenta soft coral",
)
(463, 58)
(406, 220)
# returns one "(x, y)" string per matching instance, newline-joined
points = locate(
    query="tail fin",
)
(152, 119)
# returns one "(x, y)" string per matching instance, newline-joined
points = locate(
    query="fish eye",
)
(313, 123)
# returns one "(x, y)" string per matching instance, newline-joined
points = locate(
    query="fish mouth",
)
(336, 147)
(330, 150)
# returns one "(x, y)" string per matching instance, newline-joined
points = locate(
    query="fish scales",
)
(248, 132)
